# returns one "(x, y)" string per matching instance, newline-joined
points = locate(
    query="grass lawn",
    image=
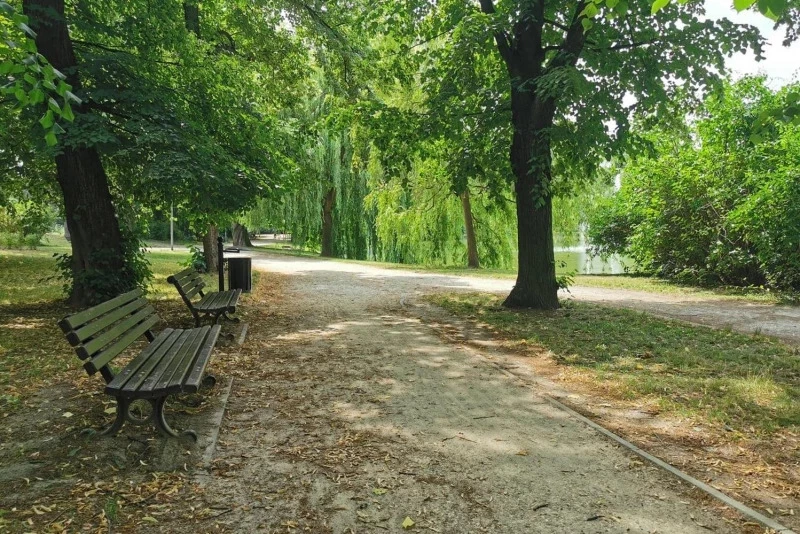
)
(32, 347)
(749, 383)
(29, 276)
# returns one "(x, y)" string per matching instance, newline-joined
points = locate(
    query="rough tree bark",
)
(98, 263)
(210, 249)
(469, 224)
(532, 115)
(327, 222)
(536, 285)
(241, 237)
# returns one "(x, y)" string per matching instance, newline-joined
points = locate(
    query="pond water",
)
(579, 260)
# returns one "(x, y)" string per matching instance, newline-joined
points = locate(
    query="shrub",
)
(713, 207)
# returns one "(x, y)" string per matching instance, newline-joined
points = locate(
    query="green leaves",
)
(31, 80)
(741, 5)
(720, 201)
(771, 9)
(658, 5)
(47, 120)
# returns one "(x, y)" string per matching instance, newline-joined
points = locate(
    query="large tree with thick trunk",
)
(98, 265)
(556, 85)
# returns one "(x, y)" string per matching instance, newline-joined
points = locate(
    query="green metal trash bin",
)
(240, 274)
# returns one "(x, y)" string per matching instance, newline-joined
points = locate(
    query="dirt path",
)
(349, 414)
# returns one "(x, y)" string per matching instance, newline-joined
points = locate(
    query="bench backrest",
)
(102, 332)
(188, 283)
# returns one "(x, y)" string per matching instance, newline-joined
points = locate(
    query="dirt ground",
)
(355, 407)
(357, 412)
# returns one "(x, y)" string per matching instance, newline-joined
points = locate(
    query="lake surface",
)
(579, 260)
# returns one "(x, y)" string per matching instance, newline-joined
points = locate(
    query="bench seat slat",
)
(104, 357)
(218, 301)
(114, 387)
(174, 382)
(166, 378)
(92, 347)
(77, 320)
(235, 294)
(195, 378)
(207, 303)
(160, 377)
(132, 387)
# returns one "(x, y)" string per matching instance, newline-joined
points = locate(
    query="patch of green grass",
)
(29, 276)
(111, 508)
(714, 375)
(652, 284)
(32, 347)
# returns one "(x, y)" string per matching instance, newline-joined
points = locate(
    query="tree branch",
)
(118, 51)
(573, 42)
(500, 37)
(557, 24)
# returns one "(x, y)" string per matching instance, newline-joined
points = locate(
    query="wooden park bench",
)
(173, 362)
(218, 305)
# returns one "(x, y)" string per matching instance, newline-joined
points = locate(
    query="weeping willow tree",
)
(419, 219)
(326, 211)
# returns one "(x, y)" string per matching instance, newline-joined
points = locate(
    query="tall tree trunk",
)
(211, 249)
(536, 285)
(469, 224)
(327, 222)
(241, 237)
(67, 236)
(98, 263)
(533, 107)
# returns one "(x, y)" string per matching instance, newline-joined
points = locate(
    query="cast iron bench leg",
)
(162, 425)
(209, 381)
(231, 319)
(116, 426)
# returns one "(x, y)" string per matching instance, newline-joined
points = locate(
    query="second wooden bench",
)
(216, 305)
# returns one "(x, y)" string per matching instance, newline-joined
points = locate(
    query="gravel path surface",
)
(356, 415)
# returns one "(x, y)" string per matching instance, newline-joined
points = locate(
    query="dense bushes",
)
(23, 224)
(714, 207)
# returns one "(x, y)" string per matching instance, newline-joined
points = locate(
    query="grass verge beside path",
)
(750, 384)
(722, 406)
